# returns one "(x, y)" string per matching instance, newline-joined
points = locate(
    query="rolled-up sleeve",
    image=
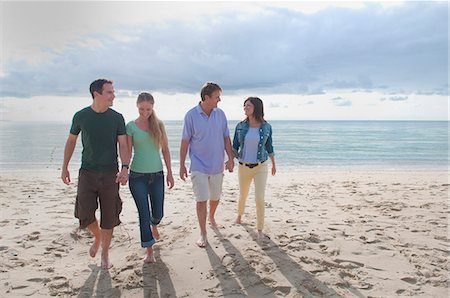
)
(269, 146)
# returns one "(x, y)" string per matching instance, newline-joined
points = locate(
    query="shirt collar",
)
(200, 110)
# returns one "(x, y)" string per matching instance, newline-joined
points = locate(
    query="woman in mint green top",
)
(147, 136)
(146, 157)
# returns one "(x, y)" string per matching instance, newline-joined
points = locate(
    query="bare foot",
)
(262, 236)
(213, 223)
(155, 232)
(94, 248)
(106, 264)
(202, 241)
(150, 258)
(238, 220)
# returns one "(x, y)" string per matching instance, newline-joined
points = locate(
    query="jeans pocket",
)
(155, 177)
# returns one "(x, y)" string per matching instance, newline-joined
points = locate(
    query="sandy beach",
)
(348, 233)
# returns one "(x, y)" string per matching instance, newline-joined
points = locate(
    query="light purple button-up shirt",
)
(206, 139)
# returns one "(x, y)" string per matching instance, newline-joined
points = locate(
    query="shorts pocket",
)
(118, 205)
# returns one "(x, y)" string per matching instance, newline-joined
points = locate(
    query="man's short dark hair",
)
(97, 86)
(208, 89)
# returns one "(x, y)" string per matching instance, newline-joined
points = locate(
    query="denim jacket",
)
(265, 148)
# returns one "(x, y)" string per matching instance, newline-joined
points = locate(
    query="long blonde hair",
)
(155, 126)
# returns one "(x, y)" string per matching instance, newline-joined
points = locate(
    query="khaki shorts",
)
(206, 187)
(98, 187)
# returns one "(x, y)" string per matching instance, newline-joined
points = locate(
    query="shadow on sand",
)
(157, 277)
(305, 283)
(104, 285)
(237, 277)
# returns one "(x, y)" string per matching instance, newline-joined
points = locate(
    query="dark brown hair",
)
(97, 86)
(258, 111)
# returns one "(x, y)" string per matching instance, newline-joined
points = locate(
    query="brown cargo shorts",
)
(98, 187)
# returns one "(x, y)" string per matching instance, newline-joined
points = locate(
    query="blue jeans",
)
(145, 188)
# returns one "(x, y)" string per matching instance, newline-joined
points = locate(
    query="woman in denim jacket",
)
(147, 136)
(252, 146)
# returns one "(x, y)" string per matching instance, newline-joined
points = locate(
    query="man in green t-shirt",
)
(98, 181)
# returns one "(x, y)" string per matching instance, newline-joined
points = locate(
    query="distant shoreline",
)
(299, 145)
(237, 120)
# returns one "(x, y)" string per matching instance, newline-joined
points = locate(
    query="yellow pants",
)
(259, 175)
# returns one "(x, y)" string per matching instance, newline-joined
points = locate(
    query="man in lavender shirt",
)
(206, 135)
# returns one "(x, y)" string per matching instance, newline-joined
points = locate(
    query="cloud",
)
(316, 91)
(436, 91)
(395, 98)
(278, 105)
(305, 103)
(278, 50)
(341, 102)
(398, 98)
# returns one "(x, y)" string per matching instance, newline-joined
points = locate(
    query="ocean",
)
(302, 145)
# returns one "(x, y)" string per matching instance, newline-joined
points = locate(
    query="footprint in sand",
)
(33, 236)
(312, 238)
(283, 240)
(348, 264)
(59, 285)
(21, 222)
(368, 240)
(442, 238)
(297, 245)
(58, 248)
(39, 280)
(354, 280)
(180, 232)
(49, 269)
(229, 260)
(132, 280)
(410, 280)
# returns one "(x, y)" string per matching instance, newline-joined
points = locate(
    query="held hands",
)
(229, 165)
(122, 176)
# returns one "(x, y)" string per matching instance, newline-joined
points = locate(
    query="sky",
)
(307, 60)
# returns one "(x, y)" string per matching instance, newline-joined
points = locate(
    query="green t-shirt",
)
(99, 133)
(146, 158)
